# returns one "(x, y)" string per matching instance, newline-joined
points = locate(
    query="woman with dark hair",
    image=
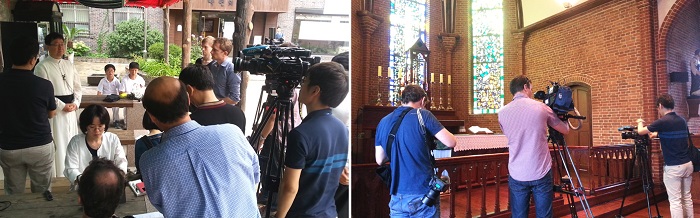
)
(147, 141)
(94, 142)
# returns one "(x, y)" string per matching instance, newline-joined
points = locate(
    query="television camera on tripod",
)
(640, 159)
(284, 68)
(559, 98)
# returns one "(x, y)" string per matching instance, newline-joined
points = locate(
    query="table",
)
(475, 142)
(88, 100)
(65, 204)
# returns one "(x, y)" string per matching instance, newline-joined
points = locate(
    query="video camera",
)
(437, 185)
(560, 99)
(630, 132)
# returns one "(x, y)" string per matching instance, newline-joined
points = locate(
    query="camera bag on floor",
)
(384, 171)
(693, 154)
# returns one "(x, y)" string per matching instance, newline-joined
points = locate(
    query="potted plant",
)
(70, 34)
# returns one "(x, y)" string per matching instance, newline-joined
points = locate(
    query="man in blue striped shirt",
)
(317, 149)
(196, 171)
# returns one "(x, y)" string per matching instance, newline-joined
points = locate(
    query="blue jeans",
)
(542, 190)
(411, 206)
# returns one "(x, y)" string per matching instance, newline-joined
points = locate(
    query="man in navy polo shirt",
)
(26, 143)
(318, 148)
(678, 169)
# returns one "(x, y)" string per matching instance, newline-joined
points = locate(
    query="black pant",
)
(341, 201)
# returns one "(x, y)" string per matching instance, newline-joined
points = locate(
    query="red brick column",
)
(369, 23)
(448, 40)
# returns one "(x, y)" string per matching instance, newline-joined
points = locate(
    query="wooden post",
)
(186, 32)
(166, 34)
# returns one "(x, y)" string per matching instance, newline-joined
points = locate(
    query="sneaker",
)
(47, 194)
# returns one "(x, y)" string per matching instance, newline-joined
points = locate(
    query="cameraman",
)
(673, 133)
(529, 160)
(410, 159)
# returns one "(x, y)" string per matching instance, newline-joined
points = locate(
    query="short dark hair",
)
(99, 192)
(110, 66)
(343, 59)
(332, 79)
(169, 107)
(697, 51)
(89, 113)
(147, 123)
(412, 93)
(23, 50)
(53, 36)
(197, 76)
(518, 82)
(134, 65)
(666, 101)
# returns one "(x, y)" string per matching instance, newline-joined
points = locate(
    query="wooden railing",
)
(474, 176)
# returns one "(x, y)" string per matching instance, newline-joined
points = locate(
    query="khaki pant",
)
(35, 161)
(677, 180)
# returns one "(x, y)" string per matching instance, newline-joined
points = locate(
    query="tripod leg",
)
(649, 184)
(630, 172)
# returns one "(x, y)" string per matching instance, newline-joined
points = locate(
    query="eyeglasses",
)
(98, 128)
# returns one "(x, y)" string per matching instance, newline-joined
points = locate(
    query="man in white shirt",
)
(67, 90)
(109, 85)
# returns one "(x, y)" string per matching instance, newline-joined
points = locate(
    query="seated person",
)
(101, 187)
(109, 85)
(147, 141)
(93, 143)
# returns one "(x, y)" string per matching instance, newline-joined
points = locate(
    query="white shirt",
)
(78, 156)
(130, 86)
(107, 88)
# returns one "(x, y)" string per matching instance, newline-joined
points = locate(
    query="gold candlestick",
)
(432, 99)
(449, 97)
(379, 92)
(440, 107)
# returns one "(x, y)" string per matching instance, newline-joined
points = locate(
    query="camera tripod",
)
(568, 186)
(641, 144)
(278, 103)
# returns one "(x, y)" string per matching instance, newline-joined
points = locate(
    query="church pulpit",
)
(368, 119)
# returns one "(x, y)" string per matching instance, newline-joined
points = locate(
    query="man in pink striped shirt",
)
(524, 122)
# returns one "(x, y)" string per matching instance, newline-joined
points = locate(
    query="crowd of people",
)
(195, 161)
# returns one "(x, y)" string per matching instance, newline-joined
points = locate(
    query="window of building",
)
(487, 53)
(76, 16)
(408, 24)
(127, 13)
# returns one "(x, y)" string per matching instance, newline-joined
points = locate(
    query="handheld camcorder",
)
(437, 186)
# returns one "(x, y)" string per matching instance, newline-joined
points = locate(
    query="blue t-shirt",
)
(413, 172)
(318, 146)
(673, 134)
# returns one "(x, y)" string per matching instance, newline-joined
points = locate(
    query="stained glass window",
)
(408, 23)
(487, 42)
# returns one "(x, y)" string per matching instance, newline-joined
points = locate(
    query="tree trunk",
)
(186, 32)
(244, 16)
(166, 34)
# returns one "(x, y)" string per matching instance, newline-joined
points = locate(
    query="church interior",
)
(617, 56)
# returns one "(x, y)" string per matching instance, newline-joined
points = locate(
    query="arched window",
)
(487, 52)
(408, 23)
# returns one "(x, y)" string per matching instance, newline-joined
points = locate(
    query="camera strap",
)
(392, 134)
(424, 132)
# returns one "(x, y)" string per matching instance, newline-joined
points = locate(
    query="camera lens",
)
(429, 199)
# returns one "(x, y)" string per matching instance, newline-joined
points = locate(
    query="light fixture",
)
(567, 3)
(179, 28)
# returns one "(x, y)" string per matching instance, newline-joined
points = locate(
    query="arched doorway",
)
(582, 100)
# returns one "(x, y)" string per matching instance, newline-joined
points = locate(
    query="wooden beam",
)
(186, 32)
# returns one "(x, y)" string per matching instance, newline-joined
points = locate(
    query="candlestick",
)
(440, 107)
(379, 89)
(432, 99)
(441, 78)
(449, 96)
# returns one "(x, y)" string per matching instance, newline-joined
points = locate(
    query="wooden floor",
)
(607, 209)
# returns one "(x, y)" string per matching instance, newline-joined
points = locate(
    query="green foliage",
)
(156, 68)
(127, 39)
(71, 33)
(155, 51)
(80, 48)
(100, 42)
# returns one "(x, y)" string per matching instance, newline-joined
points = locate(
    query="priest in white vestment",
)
(67, 89)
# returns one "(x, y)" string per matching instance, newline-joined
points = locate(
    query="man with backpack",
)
(678, 169)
